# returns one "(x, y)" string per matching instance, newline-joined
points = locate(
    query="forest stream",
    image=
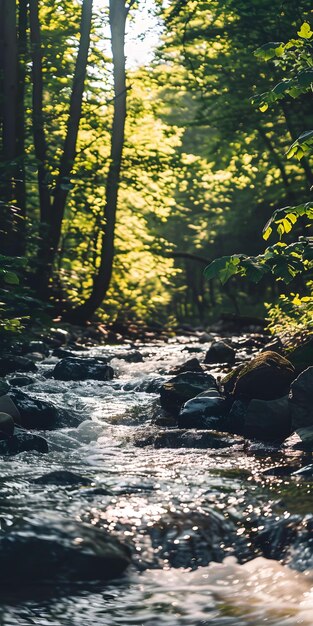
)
(215, 538)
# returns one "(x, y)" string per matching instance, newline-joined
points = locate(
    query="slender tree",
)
(52, 207)
(119, 11)
(9, 91)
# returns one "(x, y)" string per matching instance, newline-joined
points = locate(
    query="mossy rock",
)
(266, 377)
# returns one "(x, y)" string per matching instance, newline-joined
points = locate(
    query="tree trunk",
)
(52, 213)
(101, 282)
(20, 125)
(8, 122)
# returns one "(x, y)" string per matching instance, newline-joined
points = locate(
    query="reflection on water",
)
(179, 509)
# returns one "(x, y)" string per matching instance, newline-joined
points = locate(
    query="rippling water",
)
(168, 504)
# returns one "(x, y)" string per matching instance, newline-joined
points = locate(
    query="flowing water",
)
(191, 516)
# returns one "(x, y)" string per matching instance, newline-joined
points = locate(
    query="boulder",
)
(220, 352)
(266, 377)
(41, 414)
(268, 420)
(82, 368)
(22, 441)
(199, 411)
(55, 549)
(175, 392)
(301, 400)
(10, 364)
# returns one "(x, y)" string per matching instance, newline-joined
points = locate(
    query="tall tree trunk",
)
(102, 279)
(52, 212)
(8, 122)
(20, 126)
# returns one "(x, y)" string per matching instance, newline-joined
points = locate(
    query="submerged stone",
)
(62, 477)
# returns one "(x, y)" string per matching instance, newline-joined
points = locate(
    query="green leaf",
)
(270, 50)
(10, 278)
(305, 31)
(224, 268)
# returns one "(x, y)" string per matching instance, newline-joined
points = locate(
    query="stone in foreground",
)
(59, 550)
(76, 368)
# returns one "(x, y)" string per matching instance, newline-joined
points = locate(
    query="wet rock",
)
(274, 541)
(9, 364)
(268, 420)
(192, 365)
(39, 347)
(76, 368)
(62, 477)
(206, 338)
(175, 392)
(302, 356)
(4, 388)
(194, 539)
(131, 356)
(196, 413)
(41, 414)
(266, 377)
(96, 491)
(220, 352)
(294, 441)
(236, 419)
(6, 424)
(301, 400)
(21, 381)
(22, 441)
(303, 439)
(57, 549)
(305, 472)
(7, 405)
(180, 438)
